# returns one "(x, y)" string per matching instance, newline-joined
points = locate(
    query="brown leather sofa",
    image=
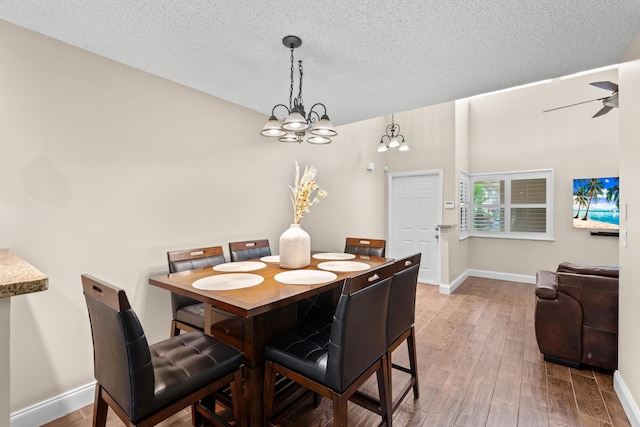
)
(576, 317)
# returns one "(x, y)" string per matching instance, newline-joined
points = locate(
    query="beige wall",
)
(104, 168)
(459, 249)
(629, 318)
(430, 133)
(509, 132)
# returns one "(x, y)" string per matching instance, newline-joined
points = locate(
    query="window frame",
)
(464, 206)
(467, 184)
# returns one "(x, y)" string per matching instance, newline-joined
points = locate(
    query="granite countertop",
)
(18, 277)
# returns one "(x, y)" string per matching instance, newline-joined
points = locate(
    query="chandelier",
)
(297, 123)
(392, 134)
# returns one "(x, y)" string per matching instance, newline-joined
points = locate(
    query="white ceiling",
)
(361, 59)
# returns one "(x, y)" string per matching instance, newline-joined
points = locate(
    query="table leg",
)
(253, 385)
(208, 319)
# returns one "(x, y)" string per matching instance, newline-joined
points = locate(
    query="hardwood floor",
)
(479, 365)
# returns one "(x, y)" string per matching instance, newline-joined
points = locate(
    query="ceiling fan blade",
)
(571, 105)
(604, 110)
(606, 85)
(611, 101)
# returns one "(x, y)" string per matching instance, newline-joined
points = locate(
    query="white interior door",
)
(415, 210)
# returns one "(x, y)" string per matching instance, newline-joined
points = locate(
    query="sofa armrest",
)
(546, 284)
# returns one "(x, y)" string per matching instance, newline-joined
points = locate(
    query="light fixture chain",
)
(295, 126)
(291, 87)
(300, 89)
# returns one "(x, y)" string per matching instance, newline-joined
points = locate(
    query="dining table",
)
(249, 303)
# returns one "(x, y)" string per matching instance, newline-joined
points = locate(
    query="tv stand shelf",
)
(605, 233)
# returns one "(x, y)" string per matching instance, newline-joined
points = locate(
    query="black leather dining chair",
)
(249, 249)
(146, 384)
(400, 327)
(360, 246)
(188, 313)
(333, 359)
(401, 318)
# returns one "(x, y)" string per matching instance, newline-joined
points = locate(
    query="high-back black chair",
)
(146, 384)
(249, 249)
(399, 327)
(188, 313)
(358, 246)
(334, 359)
(401, 318)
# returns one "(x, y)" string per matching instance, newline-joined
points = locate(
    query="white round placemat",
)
(342, 266)
(270, 258)
(227, 282)
(240, 266)
(334, 255)
(305, 277)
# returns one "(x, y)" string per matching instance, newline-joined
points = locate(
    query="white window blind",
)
(464, 205)
(528, 205)
(513, 204)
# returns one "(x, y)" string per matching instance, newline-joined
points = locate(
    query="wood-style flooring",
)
(478, 365)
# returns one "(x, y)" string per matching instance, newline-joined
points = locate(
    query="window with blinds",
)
(528, 205)
(512, 205)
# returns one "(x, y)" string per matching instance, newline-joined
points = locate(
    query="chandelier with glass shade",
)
(393, 138)
(298, 124)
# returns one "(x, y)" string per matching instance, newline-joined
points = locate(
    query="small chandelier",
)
(295, 126)
(392, 135)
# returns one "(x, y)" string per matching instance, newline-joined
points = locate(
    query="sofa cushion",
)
(606, 271)
(576, 319)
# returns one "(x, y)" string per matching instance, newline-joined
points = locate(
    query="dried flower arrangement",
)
(305, 192)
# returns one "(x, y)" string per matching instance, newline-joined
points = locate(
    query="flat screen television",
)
(596, 204)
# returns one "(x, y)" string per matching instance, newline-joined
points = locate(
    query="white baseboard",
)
(451, 287)
(630, 408)
(448, 289)
(73, 400)
(511, 277)
(54, 408)
(626, 399)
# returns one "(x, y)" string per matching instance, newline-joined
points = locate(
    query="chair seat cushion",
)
(187, 362)
(192, 314)
(304, 350)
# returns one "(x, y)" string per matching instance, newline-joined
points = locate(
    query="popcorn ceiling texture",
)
(361, 59)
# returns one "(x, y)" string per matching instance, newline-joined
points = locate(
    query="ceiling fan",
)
(608, 102)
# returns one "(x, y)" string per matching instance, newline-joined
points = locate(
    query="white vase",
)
(295, 248)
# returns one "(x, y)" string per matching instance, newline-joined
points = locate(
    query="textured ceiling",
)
(361, 59)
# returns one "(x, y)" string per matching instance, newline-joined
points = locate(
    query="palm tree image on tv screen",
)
(596, 203)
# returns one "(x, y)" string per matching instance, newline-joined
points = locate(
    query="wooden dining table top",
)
(262, 298)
